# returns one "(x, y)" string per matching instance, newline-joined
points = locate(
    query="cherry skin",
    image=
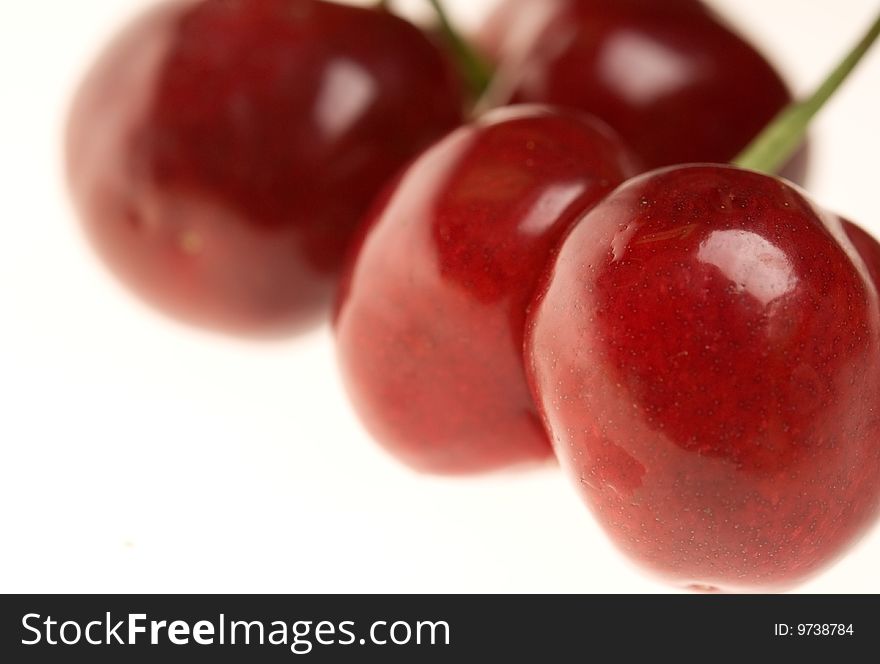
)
(674, 81)
(222, 152)
(432, 309)
(867, 246)
(705, 350)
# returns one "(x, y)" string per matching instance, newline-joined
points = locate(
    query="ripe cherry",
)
(222, 151)
(867, 247)
(706, 354)
(432, 309)
(674, 81)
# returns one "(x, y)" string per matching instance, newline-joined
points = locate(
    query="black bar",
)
(518, 627)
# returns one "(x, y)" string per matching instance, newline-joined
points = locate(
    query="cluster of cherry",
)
(575, 268)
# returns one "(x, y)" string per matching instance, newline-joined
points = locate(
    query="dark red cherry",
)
(222, 151)
(674, 81)
(431, 313)
(705, 351)
(867, 246)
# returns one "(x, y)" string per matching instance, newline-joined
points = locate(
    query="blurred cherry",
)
(222, 151)
(674, 81)
(431, 312)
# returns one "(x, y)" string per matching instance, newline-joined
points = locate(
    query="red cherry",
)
(221, 151)
(675, 82)
(867, 246)
(706, 354)
(432, 310)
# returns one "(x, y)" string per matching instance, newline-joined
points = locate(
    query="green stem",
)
(476, 71)
(774, 146)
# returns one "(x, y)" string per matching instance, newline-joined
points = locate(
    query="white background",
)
(142, 456)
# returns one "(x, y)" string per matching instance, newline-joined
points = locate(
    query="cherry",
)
(222, 151)
(704, 349)
(706, 354)
(867, 247)
(432, 308)
(675, 82)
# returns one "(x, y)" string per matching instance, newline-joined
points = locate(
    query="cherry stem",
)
(776, 144)
(383, 5)
(475, 70)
